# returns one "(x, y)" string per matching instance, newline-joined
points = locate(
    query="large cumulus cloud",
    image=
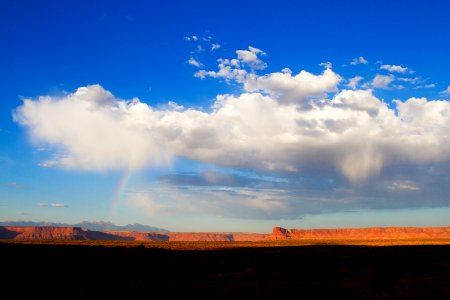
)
(261, 129)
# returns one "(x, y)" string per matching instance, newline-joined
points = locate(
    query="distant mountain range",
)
(97, 226)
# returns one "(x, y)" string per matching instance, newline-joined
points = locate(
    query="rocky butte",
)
(42, 233)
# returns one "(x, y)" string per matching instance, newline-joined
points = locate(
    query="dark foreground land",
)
(300, 272)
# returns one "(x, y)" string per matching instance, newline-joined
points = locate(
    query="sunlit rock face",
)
(361, 233)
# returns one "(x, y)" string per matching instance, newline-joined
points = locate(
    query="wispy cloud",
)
(382, 81)
(358, 61)
(199, 49)
(201, 43)
(426, 86)
(289, 199)
(395, 69)
(58, 205)
(413, 80)
(215, 46)
(214, 178)
(236, 202)
(50, 163)
(326, 65)
(353, 82)
(446, 91)
(191, 38)
(403, 185)
(194, 62)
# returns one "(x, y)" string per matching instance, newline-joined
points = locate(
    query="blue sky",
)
(233, 116)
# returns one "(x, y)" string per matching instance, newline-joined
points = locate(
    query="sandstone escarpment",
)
(361, 233)
(43, 233)
(36, 233)
(50, 233)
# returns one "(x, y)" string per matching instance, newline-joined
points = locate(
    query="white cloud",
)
(446, 91)
(174, 106)
(230, 70)
(215, 46)
(256, 50)
(296, 89)
(353, 132)
(192, 61)
(382, 81)
(76, 124)
(327, 65)
(250, 57)
(359, 60)
(395, 69)
(283, 86)
(191, 38)
(353, 82)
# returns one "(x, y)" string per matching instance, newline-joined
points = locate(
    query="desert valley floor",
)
(225, 270)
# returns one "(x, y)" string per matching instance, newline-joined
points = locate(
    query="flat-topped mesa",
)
(37, 233)
(361, 233)
(51, 233)
(44, 233)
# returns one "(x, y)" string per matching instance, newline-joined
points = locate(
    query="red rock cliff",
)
(278, 233)
(361, 233)
(43, 233)
(76, 233)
